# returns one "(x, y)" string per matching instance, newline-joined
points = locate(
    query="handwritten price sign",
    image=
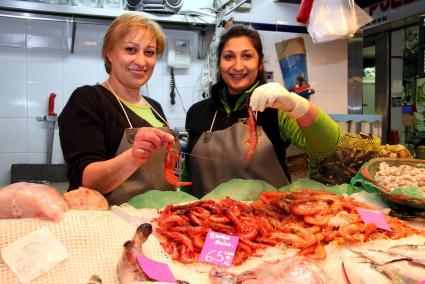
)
(373, 216)
(219, 249)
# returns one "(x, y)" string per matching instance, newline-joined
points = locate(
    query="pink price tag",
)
(219, 249)
(372, 216)
(156, 270)
(421, 282)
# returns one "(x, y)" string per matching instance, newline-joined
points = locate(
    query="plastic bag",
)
(335, 19)
(31, 200)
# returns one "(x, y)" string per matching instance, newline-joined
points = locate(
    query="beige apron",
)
(149, 175)
(227, 147)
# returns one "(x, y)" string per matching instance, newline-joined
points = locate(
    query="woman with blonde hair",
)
(113, 138)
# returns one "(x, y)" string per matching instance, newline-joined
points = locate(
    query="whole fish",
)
(399, 265)
(415, 253)
(407, 271)
(95, 279)
(129, 271)
(376, 256)
(291, 270)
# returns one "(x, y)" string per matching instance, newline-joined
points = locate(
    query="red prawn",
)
(171, 157)
(252, 139)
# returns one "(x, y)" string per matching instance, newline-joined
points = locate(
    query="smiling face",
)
(239, 64)
(133, 59)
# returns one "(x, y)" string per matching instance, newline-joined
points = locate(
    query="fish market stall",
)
(306, 227)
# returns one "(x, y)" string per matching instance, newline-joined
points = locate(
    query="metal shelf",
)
(88, 15)
(89, 12)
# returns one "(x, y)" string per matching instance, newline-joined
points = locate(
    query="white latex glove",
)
(274, 95)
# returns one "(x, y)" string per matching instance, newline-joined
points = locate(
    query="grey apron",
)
(227, 147)
(149, 175)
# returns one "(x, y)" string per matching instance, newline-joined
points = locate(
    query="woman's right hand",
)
(147, 141)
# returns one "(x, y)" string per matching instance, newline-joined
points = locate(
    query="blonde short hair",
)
(126, 24)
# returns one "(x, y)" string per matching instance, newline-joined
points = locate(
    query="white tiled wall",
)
(326, 62)
(35, 61)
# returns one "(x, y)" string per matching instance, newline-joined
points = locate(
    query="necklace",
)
(141, 99)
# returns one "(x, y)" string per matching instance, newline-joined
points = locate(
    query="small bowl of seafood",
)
(398, 181)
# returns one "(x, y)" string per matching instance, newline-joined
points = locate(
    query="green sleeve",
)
(318, 140)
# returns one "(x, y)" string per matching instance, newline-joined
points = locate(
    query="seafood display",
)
(402, 176)
(304, 236)
(252, 139)
(398, 264)
(295, 269)
(171, 158)
(85, 199)
(29, 200)
(306, 220)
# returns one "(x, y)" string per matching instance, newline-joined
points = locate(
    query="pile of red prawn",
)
(300, 219)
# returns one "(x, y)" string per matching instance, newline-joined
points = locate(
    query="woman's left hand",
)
(147, 141)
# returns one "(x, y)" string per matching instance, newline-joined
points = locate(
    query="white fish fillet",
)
(378, 256)
(291, 270)
(359, 271)
(29, 200)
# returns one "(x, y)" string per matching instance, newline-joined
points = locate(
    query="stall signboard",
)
(375, 217)
(390, 10)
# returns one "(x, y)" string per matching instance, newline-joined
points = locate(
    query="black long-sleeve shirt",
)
(91, 126)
